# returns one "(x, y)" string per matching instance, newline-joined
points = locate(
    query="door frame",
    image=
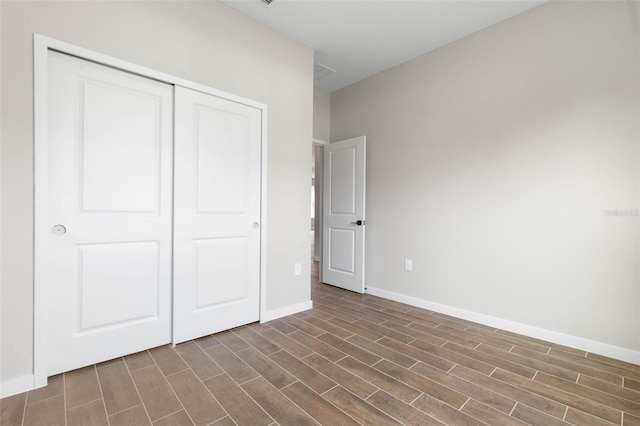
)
(41, 47)
(319, 187)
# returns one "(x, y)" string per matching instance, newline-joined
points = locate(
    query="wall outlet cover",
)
(408, 265)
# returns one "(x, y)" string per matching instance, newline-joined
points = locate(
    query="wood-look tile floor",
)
(352, 359)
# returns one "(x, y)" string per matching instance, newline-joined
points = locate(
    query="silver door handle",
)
(359, 222)
(59, 230)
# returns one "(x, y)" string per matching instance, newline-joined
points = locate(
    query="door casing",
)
(319, 187)
(41, 46)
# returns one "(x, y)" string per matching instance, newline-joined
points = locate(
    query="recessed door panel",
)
(343, 177)
(342, 258)
(217, 219)
(222, 153)
(222, 271)
(122, 275)
(120, 156)
(109, 170)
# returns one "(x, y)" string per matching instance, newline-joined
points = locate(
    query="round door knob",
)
(58, 230)
(255, 225)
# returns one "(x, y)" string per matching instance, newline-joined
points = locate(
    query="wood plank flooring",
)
(352, 359)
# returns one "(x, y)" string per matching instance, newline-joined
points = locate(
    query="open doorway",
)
(316, 191)
(317, 168)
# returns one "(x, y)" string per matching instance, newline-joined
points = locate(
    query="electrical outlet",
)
(297, 269)
(408, 265)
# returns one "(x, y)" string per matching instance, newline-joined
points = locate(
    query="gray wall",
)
(321, 114)
(205, 42)
(492, 162)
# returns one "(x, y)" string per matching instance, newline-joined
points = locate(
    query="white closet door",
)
(216, 214)
(109, 213)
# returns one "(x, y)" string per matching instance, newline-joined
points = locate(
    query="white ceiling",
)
(359, 38)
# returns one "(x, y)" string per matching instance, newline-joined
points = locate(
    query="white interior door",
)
(343, 229)
(109, 213)
(216, 214)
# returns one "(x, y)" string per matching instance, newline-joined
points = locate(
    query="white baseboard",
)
(287, 310)
(595, 347)
(16, 385)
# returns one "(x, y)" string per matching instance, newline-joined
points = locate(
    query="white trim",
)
(600, 348)
(17, 385)
(0, 201)
(0, 206)
(319, 187)
(263, 218)
(285, 311)
(40, 273)
(41, 46)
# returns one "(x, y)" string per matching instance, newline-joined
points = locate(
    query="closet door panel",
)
(216, 214)
(108, 213)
